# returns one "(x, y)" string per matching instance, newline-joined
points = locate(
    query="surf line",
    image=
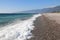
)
(21, 30)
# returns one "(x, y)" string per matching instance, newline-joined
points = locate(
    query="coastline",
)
(45, 29)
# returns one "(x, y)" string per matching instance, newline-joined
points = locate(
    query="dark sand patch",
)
(45, 29)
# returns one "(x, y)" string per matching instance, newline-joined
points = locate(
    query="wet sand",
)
(46, 28)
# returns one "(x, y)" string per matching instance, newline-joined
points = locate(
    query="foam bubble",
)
(20, 30)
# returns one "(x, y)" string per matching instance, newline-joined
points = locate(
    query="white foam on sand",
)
(19, 30)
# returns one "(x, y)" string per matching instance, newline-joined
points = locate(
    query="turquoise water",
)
(17, 26)
(9, 18)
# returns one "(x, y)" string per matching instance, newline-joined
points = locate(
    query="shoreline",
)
(45, 29)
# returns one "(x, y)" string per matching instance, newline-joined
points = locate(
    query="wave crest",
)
(20, 30)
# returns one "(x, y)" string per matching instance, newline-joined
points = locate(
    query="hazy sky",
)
(21, 5)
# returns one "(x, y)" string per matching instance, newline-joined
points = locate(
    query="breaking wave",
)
(19, 30)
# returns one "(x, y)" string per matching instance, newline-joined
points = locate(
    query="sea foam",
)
(19, 30)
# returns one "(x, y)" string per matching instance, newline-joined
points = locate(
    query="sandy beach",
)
(47, 27)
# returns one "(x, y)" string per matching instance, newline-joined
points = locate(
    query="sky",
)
(9, 6)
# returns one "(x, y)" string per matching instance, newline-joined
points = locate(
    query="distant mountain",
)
(45, 10)
(56, 9)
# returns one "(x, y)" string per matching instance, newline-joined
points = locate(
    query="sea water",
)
(17, 26)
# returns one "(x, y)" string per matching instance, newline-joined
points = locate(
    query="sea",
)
(17, 26)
